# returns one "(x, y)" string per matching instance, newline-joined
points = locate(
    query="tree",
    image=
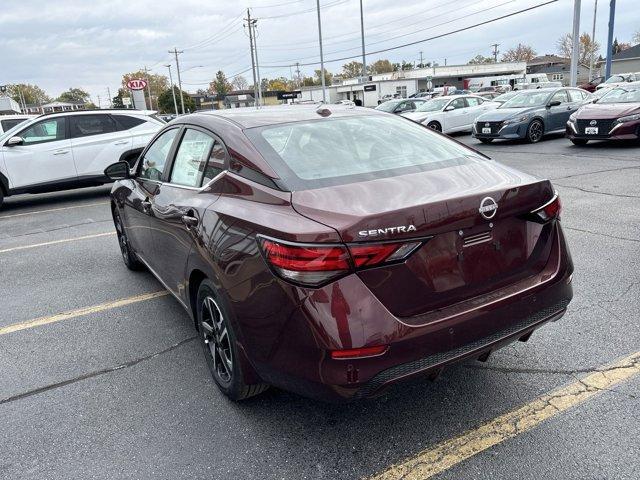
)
(220, 85)
(239, 83)
(423, 65)
(521, 53)
(381, 66)
(32, 94)
(278, 84)
(636, 37)
(75, 95)
(587, 47)
(352, 69)
(406, 65)
(308, 81)
(157, 84)
(165, 101)
(480, 59)
(328, 77)
(617, 47)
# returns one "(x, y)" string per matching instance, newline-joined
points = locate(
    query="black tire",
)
(579, 141)
(435, 126)
(1, 197)
(128, 255)
(486, 140)
(535, 131)
(218, 342)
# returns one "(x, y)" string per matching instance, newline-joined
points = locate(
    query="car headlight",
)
(572, 117)
(629, 118)
(521, 118)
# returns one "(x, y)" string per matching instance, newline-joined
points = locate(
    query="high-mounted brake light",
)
(548, 211)
(317, 264)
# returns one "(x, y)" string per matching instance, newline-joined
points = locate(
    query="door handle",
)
(190, 221)
(121, 143)
(61, 152)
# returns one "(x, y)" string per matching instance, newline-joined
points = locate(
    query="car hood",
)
(608, 110)
(501, 114)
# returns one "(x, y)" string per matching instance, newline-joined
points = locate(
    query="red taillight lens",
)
(370, 255)
(358, 352)
(550, 210)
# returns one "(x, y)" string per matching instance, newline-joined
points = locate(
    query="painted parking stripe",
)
(80, 312)
(54, 242)
(35, 212)
(451, 452)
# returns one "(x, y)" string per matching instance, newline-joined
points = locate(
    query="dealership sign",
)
(369, 88)
(289, 95)
(137, 84)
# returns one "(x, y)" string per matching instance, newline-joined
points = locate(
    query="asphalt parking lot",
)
(94, 387)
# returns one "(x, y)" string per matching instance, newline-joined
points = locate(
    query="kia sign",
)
(137, 84)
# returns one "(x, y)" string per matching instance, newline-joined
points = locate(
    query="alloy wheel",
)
(214, 330)
(122, 236)
(536, 130)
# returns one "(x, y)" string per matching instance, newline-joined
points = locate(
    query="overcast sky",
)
(90, 44)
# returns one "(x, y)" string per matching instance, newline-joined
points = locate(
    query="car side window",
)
(126, 122)
(216, 164)
(49, 130)
(458, 103)
(576, 95)
(89, 125)
(404, 106)
(560, 96)
(191, 158)
(473, 101)
(156, 155)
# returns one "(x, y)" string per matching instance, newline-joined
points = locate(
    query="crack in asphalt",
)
(597, 171)
(61, 227)
(96, 373)
(636, 240)
(586, 190)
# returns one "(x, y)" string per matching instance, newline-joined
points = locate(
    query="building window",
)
(557, 76)
(402, 91)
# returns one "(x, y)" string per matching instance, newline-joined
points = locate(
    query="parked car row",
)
(66, 150)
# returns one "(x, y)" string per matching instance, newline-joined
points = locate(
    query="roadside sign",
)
(369, 88)
(137, 84)
(126, 101)
(289, 95)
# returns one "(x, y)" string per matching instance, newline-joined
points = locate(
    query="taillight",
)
(317, 264)
(548, 211)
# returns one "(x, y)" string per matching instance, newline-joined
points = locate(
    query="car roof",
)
(251, 117)
(17, 115)
(125, 111)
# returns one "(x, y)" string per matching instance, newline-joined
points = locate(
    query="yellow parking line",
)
(35, 212)
(451, 452)
(16, 327)
(54, 242)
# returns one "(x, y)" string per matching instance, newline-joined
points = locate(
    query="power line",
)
(300, 12)
(383, 50)
(277, 4)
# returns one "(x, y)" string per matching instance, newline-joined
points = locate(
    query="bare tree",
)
(239, 82)
(636, 37)
(521, 53)
(588, 47)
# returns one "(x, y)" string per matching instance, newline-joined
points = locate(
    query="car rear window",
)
(326, 152)
(125, 122)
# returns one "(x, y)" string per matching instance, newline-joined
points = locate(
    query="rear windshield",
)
(328, 152)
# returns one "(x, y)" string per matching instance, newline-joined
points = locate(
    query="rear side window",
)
(216, 163)
(125, 122)
(88, 125)
(473, 101)
(576, 95)
(9, 124)
(156, 155)
(191, 158)
(319, 153)
(45, 131)
(560, 96)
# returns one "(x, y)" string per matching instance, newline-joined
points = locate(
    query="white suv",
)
(7, 122)
(67, 150)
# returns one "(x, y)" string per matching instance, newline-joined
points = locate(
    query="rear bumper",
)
(345, 314)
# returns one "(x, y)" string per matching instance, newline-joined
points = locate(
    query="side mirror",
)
(14, 141)
(555, 103)
(448, 108)
(117, 171)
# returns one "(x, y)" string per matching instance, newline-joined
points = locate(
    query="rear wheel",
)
(535, 131)
(579, 141)
(1, 197)
(486, 140)
(128, 256)
(435, 126)
(218, 342)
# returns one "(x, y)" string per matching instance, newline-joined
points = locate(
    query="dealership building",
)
(408, 82)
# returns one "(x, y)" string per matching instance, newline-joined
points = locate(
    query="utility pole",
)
(176, 52)
(593, 39)
(612, 15)
(298, 82)
(575, 50)
(421, 63)
(99, 103)
(495, 52)
(364, 58)
(255, 46)
(146, 73)
(324, 87)
(110, 97)
(173, 90)
(253, 62)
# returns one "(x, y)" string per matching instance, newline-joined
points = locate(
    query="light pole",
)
(575, 51)
(612, 16)
(173, 90)
(324, 87)
(364, 58)
(593, 39)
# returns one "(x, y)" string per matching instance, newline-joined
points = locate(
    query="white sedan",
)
(456, 113)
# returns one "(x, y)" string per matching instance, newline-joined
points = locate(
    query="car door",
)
(145, 184)
(558, 115)
(44, 156)
(475, 107)
(455, 115)
(96, 143)
(180, 202)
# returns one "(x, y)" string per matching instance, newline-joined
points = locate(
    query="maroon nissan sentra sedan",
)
(334, 251)
(614, 116)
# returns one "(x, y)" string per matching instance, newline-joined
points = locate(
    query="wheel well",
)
(195, 279)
